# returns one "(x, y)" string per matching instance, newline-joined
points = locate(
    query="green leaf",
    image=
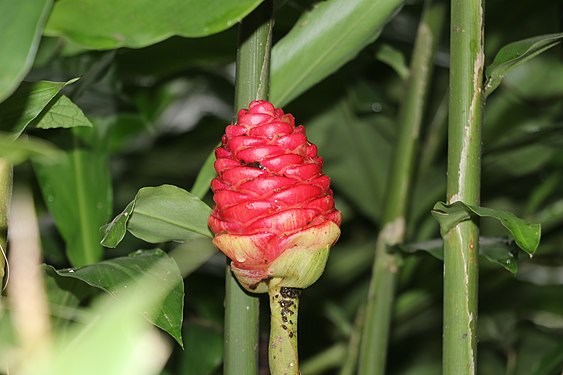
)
(19, 150)
(514, 54)
(358, 166)
(22, 24)
(117, 275)
(109, 24)
(62, 113)
(64, 296)
(496, 250)
(27, 103)
(394, 58)
(323, 40)
(113, 338)
(77, 192)
(526, 235)
(114, 232)
(160, 214)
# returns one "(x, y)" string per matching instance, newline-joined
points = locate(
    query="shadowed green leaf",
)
(109, 24)
(514, 54)
(118, 275)
(77, 191)
(497, 250)
(160, 214)
(21, 24)
(323, 40)
(28, 103)
(526, 235)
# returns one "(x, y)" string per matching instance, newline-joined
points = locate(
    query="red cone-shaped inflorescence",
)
(274, 214)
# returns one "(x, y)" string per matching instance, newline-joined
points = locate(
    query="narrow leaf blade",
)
(323, 40)
(526, 235)
(514, 54)
(77, 191)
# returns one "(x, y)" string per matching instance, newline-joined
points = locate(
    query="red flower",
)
(274, 214)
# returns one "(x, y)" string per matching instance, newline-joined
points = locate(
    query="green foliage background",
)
(155, 91)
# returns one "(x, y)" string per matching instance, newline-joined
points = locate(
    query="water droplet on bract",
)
(50, 198)
(70, 270)
(241, 259)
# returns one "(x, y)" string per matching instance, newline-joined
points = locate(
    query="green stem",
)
(463, 184)
(380, 301)
(252, 82)
(253, 56)
(5, 195)
(282, 348)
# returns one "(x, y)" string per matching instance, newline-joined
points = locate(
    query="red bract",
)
(274, 214)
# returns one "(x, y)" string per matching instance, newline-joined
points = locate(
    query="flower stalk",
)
(252, 82)
(282, 348)
(375, 337)
(463, 184)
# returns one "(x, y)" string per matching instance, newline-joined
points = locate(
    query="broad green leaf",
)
(514, 54)
(17, 151)
(526, 235)
(22, 24)
(497, 250)
(118, 275)
(77, 192)
(27, 104)
(204, 177)
(160, 214)
(323, 40)
(394, 58)
(62, 113)
(115, 337)
(109, 24)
